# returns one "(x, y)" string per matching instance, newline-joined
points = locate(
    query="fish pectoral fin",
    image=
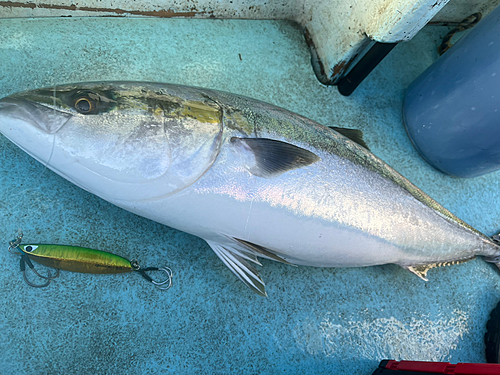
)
(237, 262)
(269, 158)
(354, 135)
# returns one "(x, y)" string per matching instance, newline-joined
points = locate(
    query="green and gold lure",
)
(79, 259)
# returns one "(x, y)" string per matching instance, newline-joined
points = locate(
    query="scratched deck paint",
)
(315, 320)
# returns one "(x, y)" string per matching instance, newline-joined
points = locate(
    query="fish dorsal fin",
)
(269, 158)
(236, 261)
(354, 135)
(261, 251)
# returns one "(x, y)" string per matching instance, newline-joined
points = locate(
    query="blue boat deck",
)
(322, 321)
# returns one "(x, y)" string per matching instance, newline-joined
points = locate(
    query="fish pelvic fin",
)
(261, 251)
(421, 270)
(238, 263)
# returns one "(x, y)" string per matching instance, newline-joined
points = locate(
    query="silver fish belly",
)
(252, 179)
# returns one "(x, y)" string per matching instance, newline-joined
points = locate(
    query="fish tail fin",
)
(495, 259)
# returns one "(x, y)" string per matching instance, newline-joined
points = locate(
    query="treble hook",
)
(158, 284)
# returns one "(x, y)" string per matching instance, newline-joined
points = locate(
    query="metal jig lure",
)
(78, 259)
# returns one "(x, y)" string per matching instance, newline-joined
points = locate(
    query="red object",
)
(444, 367)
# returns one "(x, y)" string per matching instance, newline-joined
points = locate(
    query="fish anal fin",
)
(270, 158)
(258, 250)
(421, 270)
(237, 263)
(354, 135)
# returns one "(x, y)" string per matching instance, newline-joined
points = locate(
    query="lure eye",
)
(84, 105)
(30, 248)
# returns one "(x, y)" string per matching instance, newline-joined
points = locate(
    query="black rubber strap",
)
(364, 67)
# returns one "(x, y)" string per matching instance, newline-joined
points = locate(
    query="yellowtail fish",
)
(252, 179)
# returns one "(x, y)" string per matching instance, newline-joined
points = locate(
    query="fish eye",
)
(30, 248)
(84, 105)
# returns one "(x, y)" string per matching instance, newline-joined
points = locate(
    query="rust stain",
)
(342, 67)
(317, 63)
(153, 13)
(320, 69)
(339, 69)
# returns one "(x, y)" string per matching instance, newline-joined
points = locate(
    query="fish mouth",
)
(49, 120)
(30, 126)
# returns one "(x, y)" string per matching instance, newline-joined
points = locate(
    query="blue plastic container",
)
(452, 110)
